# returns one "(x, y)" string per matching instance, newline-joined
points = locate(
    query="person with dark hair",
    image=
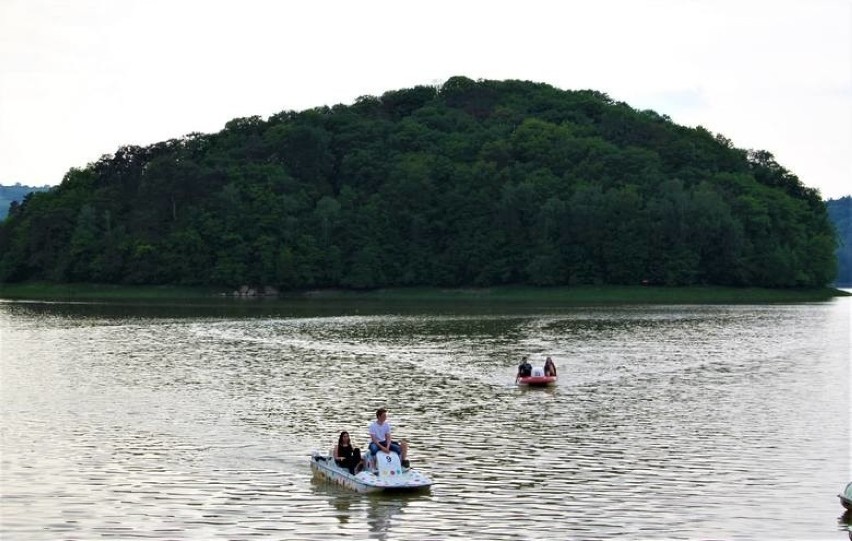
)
(380, 437)
(549, 367)
(524, 369)
(345, 455)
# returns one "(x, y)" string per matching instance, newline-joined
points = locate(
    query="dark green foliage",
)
(475, 183)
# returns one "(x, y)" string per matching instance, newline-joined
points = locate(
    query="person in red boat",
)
(524, 369)
(549, 367)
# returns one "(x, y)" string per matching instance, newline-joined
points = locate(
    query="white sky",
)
(79, 78)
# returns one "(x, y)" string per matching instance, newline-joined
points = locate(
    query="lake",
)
(197, 421)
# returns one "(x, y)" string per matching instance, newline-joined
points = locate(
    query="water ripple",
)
(668, 422)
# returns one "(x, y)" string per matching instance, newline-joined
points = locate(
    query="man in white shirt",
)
(380, 437)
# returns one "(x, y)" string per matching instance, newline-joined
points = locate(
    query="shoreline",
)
(568, 295)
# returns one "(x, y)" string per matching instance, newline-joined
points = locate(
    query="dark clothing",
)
(349, 457)
(525, 370)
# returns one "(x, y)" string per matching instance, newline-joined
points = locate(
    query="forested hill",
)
(474, 183)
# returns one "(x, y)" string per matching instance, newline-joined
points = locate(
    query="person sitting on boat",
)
(345, 455)
(549, 367)
(380, 437)
(524, 369)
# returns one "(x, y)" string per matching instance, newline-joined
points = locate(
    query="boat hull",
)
(846, 497)
(537, 381)
(390, 477)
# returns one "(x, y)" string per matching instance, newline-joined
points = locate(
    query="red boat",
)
(537, 381)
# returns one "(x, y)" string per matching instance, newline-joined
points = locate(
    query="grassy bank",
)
(598, 295)
(556, 295)
(102, 292)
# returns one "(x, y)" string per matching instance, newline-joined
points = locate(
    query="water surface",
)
(675, 422)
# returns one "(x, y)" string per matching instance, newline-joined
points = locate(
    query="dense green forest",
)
(840, 212)
(473, 183)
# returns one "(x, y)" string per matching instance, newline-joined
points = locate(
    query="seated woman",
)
(345, 455)
(549, 367)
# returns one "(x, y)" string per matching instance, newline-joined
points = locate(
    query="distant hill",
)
(15, 193)
(473, 183)
(840, 211)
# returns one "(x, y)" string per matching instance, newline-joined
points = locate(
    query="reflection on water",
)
(377, 514)
(197, 422)
(382, 512)
(340, 499)
(845, 522)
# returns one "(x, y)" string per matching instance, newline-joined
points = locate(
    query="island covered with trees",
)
(469, 184)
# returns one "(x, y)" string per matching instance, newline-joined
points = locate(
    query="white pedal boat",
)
(383, 473)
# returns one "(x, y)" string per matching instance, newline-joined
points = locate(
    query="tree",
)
(473, 183)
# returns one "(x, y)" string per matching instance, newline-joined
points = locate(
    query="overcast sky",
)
(79, 78)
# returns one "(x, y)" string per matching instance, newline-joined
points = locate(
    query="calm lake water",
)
(196, 422)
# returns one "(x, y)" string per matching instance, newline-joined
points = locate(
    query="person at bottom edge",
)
(380, 438)
(347, 456)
